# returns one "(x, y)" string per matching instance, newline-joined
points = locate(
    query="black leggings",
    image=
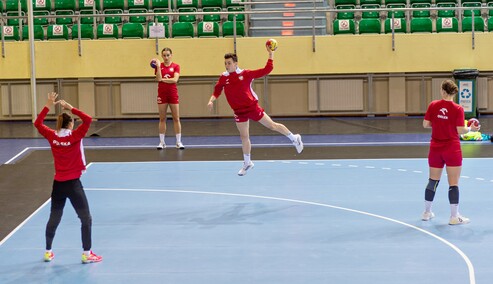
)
(73, 190)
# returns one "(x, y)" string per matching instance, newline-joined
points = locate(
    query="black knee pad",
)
(431, 188)
(453, 194)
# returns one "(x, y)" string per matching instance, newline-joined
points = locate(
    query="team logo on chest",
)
(240, 78)
(171, 69)
(443, 114)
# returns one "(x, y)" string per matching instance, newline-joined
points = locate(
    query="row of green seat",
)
(48, 5)
(417, 25)
(128, 30)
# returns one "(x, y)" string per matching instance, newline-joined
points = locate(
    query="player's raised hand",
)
(65, 105)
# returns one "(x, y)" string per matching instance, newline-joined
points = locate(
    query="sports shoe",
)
(161, 146)
(298, 143)
(246, 167)
(91, 258)
(180, 146)
(458, 220)
(427, 216)
(49, 256)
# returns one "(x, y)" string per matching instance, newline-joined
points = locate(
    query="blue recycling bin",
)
(467, 96)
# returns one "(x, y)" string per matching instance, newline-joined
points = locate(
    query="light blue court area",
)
(314, 221)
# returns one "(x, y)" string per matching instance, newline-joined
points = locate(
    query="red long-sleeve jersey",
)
(67, 149)
(238, 86)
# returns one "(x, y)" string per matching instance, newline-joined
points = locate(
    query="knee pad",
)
(431, 188)
(453, 194)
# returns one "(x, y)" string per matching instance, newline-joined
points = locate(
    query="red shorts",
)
(450, 155)
(254, 113)
(167, 99)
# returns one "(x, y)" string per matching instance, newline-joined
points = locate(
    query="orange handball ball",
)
(271, 44)
(473, 121)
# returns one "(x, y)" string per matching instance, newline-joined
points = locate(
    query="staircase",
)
(287, 22)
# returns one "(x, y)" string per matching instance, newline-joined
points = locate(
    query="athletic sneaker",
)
(458, 220)
(427, 216)
(246, 167)
(180, 146)
(298, 143)
(161, 146)
(49, 256)
(91, 258)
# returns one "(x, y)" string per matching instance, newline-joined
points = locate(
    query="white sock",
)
(246, 158)
(290, 136)
(48, 250)
(178, 138)
(428, 206)
(87, 252)
(454, 210)
(161, 138)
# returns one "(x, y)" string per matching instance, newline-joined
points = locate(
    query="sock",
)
(161, 138)
(246, 158)
(454, 210)
(428, 206)
(178, 138)
(48, 250)
(87, 252)
(290, 136)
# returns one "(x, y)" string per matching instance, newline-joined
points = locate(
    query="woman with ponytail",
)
(68, 155)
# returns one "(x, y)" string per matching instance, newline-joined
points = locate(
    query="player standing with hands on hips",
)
(446, 120)
(167, 75)
(68, 155)
(237, 85)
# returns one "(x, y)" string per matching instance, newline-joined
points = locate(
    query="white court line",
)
(17, 156)
(470, 267)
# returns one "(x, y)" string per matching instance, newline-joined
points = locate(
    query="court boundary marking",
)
(470, 267)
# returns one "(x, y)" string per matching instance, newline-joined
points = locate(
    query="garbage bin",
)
(467, 96)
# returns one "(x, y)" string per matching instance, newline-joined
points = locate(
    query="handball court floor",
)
(346, 210)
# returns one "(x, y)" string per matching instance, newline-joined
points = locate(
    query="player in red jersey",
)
(168, 96)
(68, 155)
(446, 120)
(237, 85)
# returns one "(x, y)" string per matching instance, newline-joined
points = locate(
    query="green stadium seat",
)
(412, 2)
(185, 15)
(65, 20)
(447, 1)
(399, 25)
(182, 29)
(239, 17)
(421, 13)
(208, 29)
(228, 29)
(41, 21)
(212, 4)
(138, 4)
(135, 17)
(370, 14)
(157, 4)
(230, 3)
(369, 26)
(87, 20)
(344, 26)
(113, 19)
(345, 2)
(187, 4)
(113, 4)
(57, 32)
(86, 31)
(132, 30)
(13, 5)
(345, 14)
(162, 18)
(106, 31)
(65, 5)
(166, 29)
(490, 24)
(15, 22)
(467, 24)
(88, 4)
(211, 17)
(446, 13)
(369, 2)
(10, 33)
(447, 25)
(388, 2)
(397, 14)
(471, 6)
(44, 5)
(421, 25)
(39, 32)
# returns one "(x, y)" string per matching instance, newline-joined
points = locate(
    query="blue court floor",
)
(286, 221)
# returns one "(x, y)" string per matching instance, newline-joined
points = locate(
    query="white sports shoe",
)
(458, 220)
(180, 146)
(246, 167)
(427, 216)
(298, 143)
(161, 146)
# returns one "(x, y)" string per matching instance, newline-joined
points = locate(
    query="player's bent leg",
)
(281, 128)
